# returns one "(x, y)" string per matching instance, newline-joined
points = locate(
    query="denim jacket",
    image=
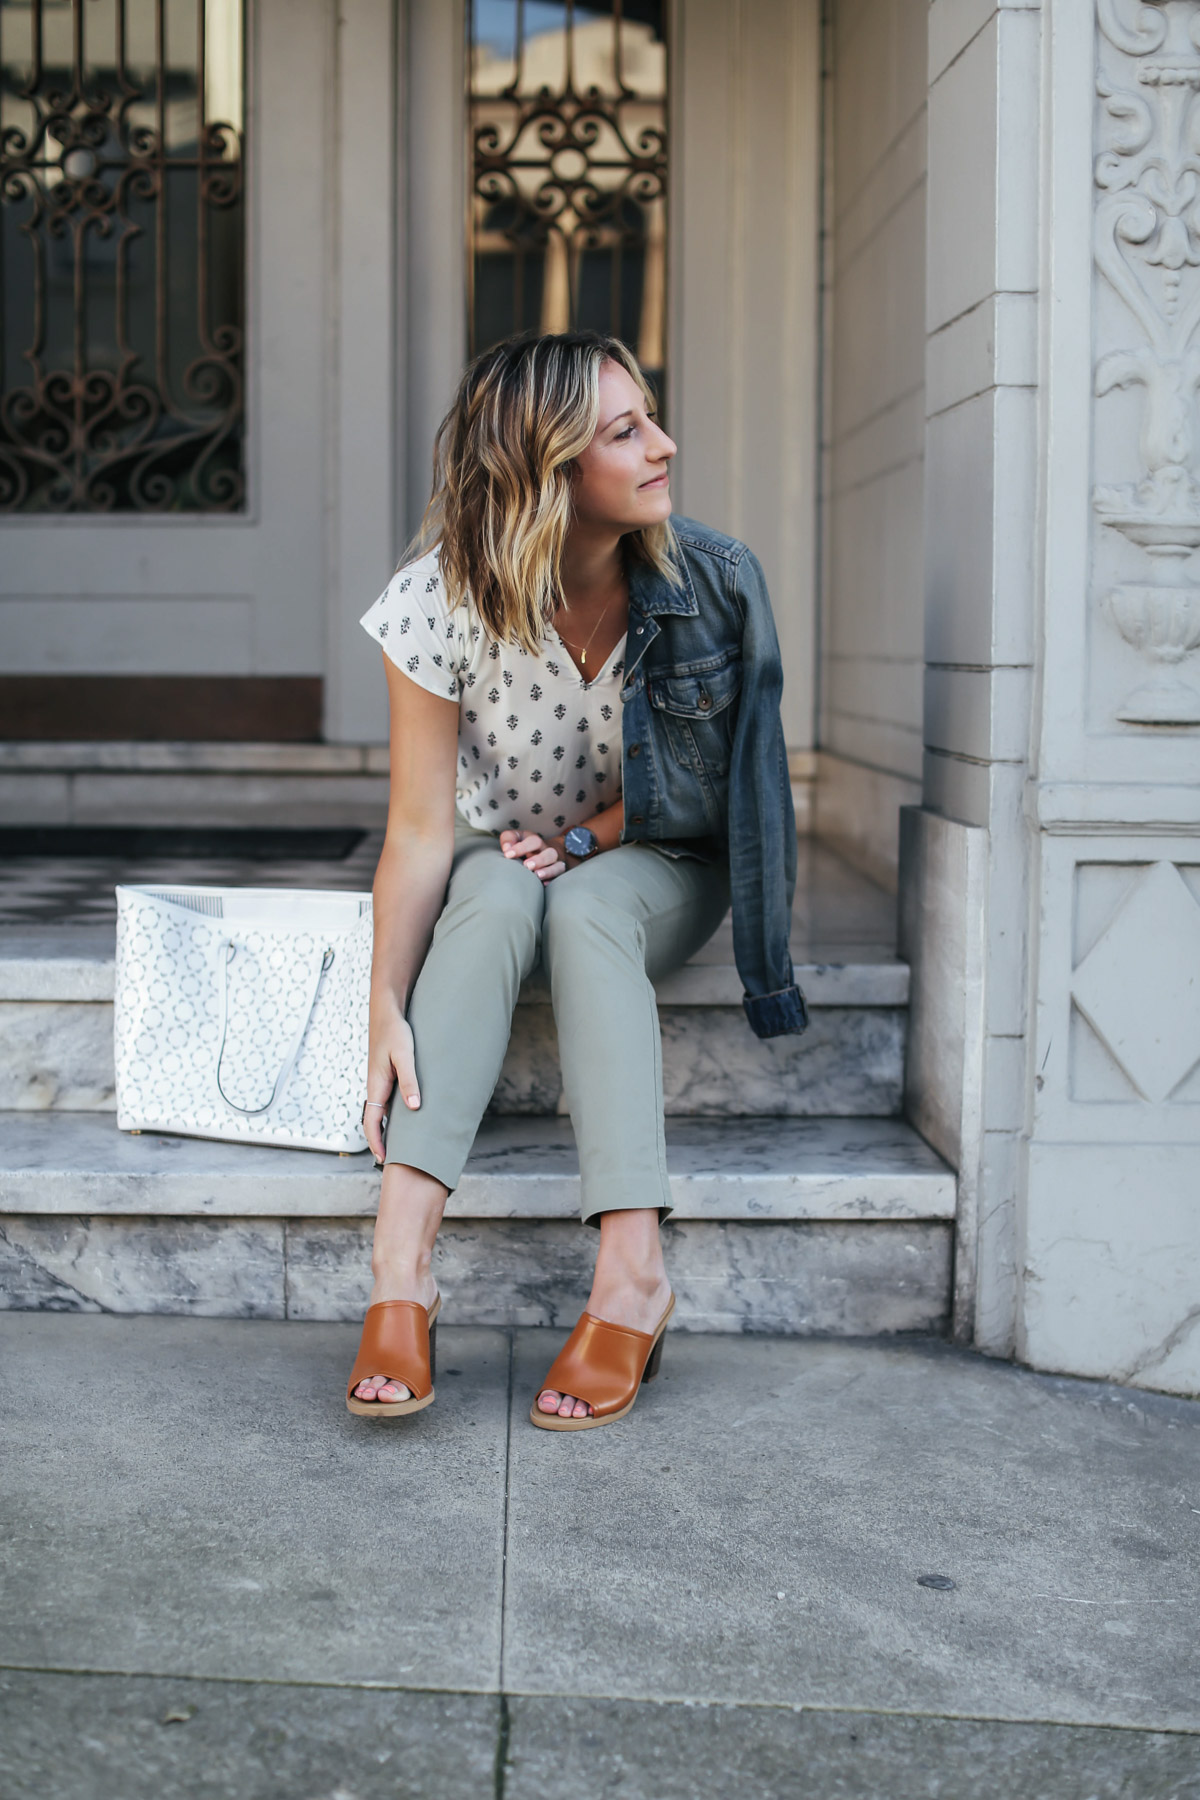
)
(705, 767)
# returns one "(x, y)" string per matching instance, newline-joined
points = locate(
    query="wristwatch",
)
(580, 842)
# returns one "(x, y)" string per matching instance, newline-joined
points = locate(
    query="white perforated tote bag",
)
(241, 1013)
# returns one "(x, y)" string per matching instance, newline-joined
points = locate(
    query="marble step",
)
(748, 1169)
(830, 1225)
(56, 988)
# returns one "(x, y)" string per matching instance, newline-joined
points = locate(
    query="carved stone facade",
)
(1147, 249)
(1135, 1015)
(1110, 1238)
(1051, 883)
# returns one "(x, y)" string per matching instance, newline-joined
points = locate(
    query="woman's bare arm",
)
(410, 882)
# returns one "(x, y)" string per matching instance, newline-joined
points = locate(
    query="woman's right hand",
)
(391, 1071)
(543, 856)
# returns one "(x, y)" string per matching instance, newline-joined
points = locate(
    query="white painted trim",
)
(1066, 386)
(434, 272)
(362, 363)
(1064, 807)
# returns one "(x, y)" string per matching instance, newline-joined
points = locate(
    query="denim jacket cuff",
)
(774, 1015)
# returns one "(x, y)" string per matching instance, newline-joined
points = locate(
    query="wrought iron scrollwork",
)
(122, 206)
(568, 147)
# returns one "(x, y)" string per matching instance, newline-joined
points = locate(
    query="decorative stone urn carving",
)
(1164, 622)
(1147, 247)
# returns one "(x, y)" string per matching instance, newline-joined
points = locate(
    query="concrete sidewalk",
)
(219, 1583)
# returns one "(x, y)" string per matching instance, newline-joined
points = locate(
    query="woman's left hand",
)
(541, 855)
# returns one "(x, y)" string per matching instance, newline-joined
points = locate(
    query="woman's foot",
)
(410, 1211)
(629, 1288)
(390, 1284)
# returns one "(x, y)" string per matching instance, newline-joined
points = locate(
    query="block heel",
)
(654, 1362)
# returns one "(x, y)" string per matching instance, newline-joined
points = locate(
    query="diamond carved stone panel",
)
(1138, 986)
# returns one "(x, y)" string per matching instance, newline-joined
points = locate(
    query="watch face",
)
(580, 841)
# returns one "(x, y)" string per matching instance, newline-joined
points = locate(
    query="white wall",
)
(872, 622)
(743, 298)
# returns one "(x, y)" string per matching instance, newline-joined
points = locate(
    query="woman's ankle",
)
(403, 1262)
(618, 1275)
(630, 1252)
(403, 1281)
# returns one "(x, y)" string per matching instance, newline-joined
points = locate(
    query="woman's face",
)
(621, 479)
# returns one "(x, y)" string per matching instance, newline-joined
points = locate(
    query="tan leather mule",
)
(399, 1340)
(605, 1365)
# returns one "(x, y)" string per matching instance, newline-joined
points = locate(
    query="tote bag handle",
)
(226, 949)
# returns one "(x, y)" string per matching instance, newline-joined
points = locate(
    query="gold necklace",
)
(588, 645)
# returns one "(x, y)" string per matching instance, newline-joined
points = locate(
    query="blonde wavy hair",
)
(501, 505)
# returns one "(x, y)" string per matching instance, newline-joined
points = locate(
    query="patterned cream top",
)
(539, 748)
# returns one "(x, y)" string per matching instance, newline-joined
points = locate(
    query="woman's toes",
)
(381, 1388)
(565, 1405)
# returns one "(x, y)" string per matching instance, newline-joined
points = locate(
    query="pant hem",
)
(592, 1214)
(411, 1157)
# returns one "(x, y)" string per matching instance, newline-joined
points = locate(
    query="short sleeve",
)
(413, 623)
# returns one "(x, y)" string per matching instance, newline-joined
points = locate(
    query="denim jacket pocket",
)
(696, 708)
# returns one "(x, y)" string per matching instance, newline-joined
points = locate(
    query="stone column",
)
(965, 851)
(1111, 1216)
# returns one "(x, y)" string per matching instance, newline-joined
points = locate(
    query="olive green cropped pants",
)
(604, 931)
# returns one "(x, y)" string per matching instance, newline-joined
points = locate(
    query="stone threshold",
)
(195, 758)
(748, 1170)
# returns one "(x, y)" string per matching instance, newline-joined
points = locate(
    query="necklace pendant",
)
(583, 659)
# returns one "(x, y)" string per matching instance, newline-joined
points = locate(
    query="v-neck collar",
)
(618, 647)
(650, 594)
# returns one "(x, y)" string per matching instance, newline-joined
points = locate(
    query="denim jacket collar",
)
(651, 593)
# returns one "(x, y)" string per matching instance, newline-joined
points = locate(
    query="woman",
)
(586, 764)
